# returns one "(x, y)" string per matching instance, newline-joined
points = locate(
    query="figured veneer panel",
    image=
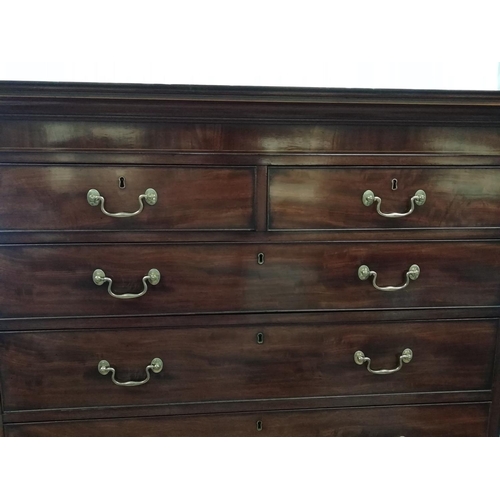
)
(56, 280)
(59, 369)
(426, 420)
(189, 198)
(309, 134)
(331, 198)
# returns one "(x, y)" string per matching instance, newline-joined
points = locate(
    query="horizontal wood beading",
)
(426, 420)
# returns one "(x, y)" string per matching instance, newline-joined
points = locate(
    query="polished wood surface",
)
(55, 198)
(252, 237)
(1, 417)
(263, 318)
(427, 420)
(330, 198)
(109, 118)
(201, 103)
(134, 157)
(247, 405)
(296, 137)
(57, 279)
(494, 422)
(241, 171)
(227, 363)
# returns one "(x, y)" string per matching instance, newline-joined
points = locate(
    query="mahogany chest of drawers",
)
(223, 261)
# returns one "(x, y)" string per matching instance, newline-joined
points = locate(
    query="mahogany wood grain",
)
(243, 236)
(211, 149)
(226, 363)
(1, 408)
(201, 119)
(334, 135)
(261, 196)
(248, 405)
(426, 420)
(55, 198)
(248, 104)
(56, 281)
(83, 158)
(494, 422)
(256, 319)
(327, 198)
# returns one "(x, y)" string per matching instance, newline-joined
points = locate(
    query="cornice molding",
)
(188, 103)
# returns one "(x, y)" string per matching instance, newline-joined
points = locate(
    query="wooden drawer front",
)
(55, 198)
(56, 280)
(331, 198)
(439, 420)
(54, 370)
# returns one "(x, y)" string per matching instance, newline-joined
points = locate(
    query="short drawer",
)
(334, 198)
(439, 420)
(58, 280)
(51, 198)
(51, 370)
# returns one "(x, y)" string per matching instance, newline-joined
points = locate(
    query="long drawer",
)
(428, 420)
(334, 198)
(58, 280)
(50, 370)
(56, 198)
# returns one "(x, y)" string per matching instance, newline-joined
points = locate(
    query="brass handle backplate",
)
(94, 198)
(104, 368)
(417, 199)
(100, 278)
(360, 358)
(412, 274)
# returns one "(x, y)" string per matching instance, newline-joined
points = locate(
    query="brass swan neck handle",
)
(104, 368)
(364, 272)
(418, 198)
(153, 277)
(360, 358)
(94, 198)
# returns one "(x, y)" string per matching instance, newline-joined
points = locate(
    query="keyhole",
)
(260, 338)
(121, 182)
(260, 258)
(394, 184)
(259, 425)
